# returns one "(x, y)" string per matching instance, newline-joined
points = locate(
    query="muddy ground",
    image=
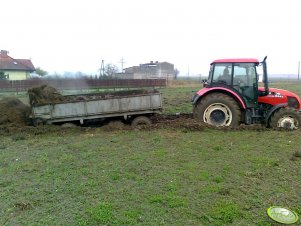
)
(14, 115)
(183, 122)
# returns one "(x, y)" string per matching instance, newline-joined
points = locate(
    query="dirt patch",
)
(186, 122)
(296, 156)
(23, 206)
(177, 121)
(13, 113)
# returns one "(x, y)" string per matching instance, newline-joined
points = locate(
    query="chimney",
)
(4, 53)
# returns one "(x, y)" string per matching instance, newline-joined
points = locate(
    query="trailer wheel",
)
(37, 122)
(287, 118)
(141, 122)
(218, 109)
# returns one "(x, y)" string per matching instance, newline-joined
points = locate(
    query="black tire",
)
(37, 122)
(141, 122)
(218, 109)
(287, 118)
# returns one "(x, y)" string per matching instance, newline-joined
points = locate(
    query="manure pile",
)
(44, 95)
(13, 112)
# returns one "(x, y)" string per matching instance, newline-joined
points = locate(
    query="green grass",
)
(291, 86)
(178, 100)
(158, 177)
(92, 176)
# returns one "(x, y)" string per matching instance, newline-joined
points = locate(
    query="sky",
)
(60, 35)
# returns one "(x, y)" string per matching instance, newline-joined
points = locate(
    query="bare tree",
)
(110, 70)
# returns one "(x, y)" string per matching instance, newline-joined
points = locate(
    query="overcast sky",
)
(61, 35)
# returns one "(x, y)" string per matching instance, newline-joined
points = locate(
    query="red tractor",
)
(231, 97)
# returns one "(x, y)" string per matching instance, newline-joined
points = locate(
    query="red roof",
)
(8, 63)
(237, 60)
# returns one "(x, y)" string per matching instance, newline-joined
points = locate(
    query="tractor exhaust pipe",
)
(265, 76)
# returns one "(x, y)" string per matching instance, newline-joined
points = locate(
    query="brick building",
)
(149, 70)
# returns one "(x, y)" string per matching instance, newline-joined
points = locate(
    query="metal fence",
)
(82, 83)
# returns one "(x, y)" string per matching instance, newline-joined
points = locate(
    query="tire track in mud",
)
(186, 121)
(181, 121)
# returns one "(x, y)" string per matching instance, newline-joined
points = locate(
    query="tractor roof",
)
(236, 60)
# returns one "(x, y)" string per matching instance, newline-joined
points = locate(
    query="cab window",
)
(244, 74)
(222, 73)
(245, 81)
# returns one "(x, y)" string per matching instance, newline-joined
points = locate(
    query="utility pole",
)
(298, 70)
(122, 62)
(188, 72)
(102, 69)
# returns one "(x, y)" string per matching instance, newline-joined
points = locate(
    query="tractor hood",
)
(280, 96)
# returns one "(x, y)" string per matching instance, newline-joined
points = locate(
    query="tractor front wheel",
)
(287, 118)
(218, 110)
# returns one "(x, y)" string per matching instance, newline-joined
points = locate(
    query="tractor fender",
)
(272, 110)
(205, 91)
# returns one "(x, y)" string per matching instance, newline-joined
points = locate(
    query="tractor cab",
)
(239, 75)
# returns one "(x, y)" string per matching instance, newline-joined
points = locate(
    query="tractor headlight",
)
(292, 102)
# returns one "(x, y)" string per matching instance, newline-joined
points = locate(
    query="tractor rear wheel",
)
(218, 110)
(287, 118)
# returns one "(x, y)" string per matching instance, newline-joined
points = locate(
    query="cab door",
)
(245, 82)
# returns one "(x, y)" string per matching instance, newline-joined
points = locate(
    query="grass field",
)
(94, 176)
